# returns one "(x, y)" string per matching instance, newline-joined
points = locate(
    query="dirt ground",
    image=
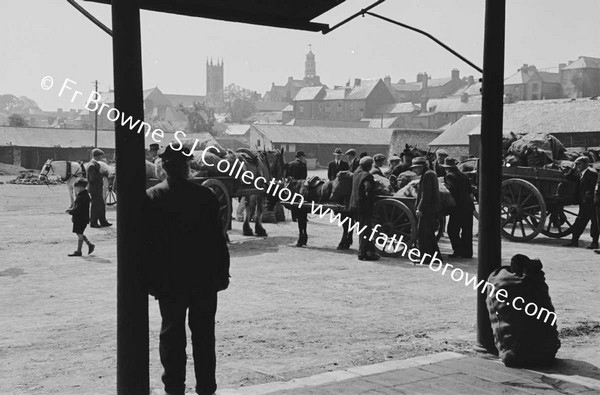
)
(290, 312)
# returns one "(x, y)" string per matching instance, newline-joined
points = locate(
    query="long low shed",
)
(319, 142)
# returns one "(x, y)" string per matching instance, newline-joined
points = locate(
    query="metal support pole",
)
(96, 122)
(490, 162)
(132, 299)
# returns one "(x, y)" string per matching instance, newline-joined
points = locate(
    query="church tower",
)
(310, 69)
(214, 80)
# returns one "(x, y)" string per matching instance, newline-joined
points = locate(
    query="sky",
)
(50, 38)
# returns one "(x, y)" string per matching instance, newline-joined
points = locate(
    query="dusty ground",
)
(290, 312)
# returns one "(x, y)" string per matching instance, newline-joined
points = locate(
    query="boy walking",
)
(81, 216)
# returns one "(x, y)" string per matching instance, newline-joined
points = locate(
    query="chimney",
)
(571, 62)
(455, 74)
(387, 80)
(424, 103)
(347, 91)
(59, 110)
(561, 66)
(419, 77)
(464, 98)
(471, 80)
(525, 67)
(402, 81)
(290, 79)
(357, 82)
(425, 78)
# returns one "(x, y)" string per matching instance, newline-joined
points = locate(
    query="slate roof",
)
(362, 91)
(584, 62)
(185, 100)
(549, 77)
(288, 108)
(397, 108)
(330, 123)
(324, 135)
(471, 90)
(458, 132)
(335, 94)
(454, 104)
(237, 130)
(262, 106)
(435, 82)
(517, 78)
(308, 93)
(299, 83)
(410, 87)
(53, 137)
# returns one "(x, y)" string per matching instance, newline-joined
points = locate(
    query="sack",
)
(537, 158)
(382, 186)
(522, 339)
(446, 199)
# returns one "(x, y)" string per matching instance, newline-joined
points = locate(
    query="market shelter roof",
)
(291, 14)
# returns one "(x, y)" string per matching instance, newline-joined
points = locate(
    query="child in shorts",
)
(81, 215)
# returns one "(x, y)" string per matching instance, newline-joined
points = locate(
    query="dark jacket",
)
(587, 184)
(188, 251)
(332, 169)
(377, 170)
(297, 170)
(459, 185)
(428, 198)
(440, 171)
(95, 177)
(81, 208)
(353, 165)
(363, 191)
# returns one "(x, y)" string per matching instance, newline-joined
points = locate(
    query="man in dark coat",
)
(186, 270)
(378, 160)
(587, 178)
(427, 206)
(297, 171)
(336, 165)
(436, 166)
(352, 161)
(460, 224)
(152, 152)
(95, 188)
(362, 200)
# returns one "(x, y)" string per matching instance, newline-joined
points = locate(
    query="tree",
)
(17, 120)
(239, 102)
(201, 118)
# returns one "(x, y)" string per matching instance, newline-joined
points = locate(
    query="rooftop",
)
(324, 135)
(458, 132)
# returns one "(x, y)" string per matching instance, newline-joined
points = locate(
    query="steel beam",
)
(132, 299)
(490, 162)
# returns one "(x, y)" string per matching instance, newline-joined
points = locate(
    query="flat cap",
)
(97, 152)
(300, 154)
(583, 159)
(154, 146)
(351, 151)
(337, 151)
(378, 157)
(394, 158)
(450, 162)
(168, 153)
(365, 160)
(441, 152)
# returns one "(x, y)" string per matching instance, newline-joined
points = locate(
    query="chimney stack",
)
(471, 80)
(464, 98)
(420, 77)
(387, 80)
(561, 66)
(357, 82)
(425, 78)
(455, 74)
(402, 81)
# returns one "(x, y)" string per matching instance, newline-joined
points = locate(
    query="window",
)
(258, 143)
(301, 107)
(339, 107)
(320, 106)
(291, 148)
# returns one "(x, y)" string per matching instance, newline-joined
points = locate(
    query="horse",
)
(411, 151)
(70, 172)
(318, 191)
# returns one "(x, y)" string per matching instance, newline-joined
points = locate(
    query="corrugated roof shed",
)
(309, 93)
(552, 116)
(397, 108)
(458, 132)
(324, 135)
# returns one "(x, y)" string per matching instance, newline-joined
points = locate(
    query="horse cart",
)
(534, 200)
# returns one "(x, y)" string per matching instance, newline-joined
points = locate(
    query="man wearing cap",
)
(378, 160)
(362, 200)
(352, 161)
(95, 187)
(587, 178)
(436, 166)
(186, 272)
(460, 223)
(152, 152)
(427, 206)
(336, 165)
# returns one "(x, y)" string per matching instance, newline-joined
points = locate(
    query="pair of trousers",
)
(97, 208)
(202, 310)
(366, 246)
(426, 239)
(460, 231)
(587, 213)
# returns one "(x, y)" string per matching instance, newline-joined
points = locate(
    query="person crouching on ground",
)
(362, 200)
(186, 271)
(81, 216)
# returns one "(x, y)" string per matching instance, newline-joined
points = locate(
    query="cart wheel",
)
(476, 207)
(560, 220)
(220, 191)
(523, 210)
(111, 197)
(395, 218)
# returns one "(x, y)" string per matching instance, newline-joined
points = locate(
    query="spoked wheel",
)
(111, 196)
(559, 221)
(220, 191)
(523, 210)
(395, 218)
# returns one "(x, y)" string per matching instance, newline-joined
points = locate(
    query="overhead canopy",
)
(291, 14)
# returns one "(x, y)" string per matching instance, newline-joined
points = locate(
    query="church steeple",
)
(310, 65)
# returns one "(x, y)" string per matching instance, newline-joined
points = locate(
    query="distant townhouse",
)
(426, 87)
(581, 78)
(528, 83)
